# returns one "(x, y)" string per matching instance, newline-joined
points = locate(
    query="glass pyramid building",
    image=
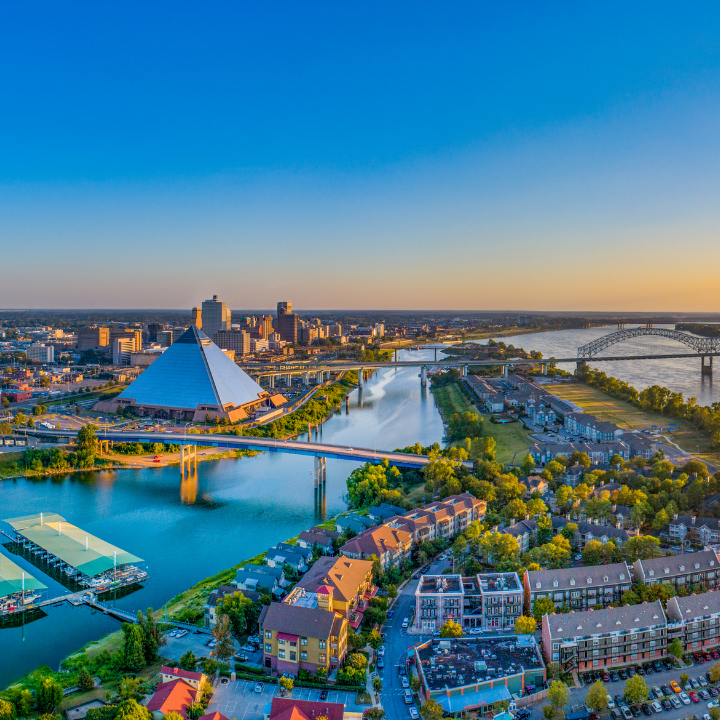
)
(191, 379)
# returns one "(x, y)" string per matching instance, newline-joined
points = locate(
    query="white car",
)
(684, 699)
(381, 651)
(611, 703)
(475, 631)
(657, 707)
(414, 714)
(405, 623)
(712, 704)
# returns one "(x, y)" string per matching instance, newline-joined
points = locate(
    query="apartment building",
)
(303, 633)
(350, 580)
(592, 429)
(694, 529)
(486, 601)
(691, 571)
(391, 545)
(589, 531)
(578, 588)
(695, 619)
(605, 638)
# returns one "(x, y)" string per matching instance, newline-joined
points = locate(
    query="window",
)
(268, 634)
(322, 644)
(303, 642)
(322, 658)
(281, 654)
(281, 641)
(268, 647)
(293, 655)
(303, 655)
(596, 653)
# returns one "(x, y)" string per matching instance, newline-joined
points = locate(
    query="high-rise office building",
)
(197, 317)
(134, 335)
(237, 340)
(215, 316)
(40, 352)
(152, 331)
(287, 322)
(92, 338)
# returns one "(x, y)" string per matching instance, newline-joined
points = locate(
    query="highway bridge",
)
(234, 442)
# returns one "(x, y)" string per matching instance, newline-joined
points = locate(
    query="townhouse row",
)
(631, 634)
(631, 445)
(392, 542)
(586, 588)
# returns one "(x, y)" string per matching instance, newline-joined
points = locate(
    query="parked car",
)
(635, 710)
(408, 697)
(684, 698)
(657, 707)
(625, 710)
(675, 687)
(381, 651)
(390, 613)
(658, 693)
(646, 709)
(674, 701)
(259, 687)
(667, 705)
(405, 623)
(380, 663)
(414, 714)
(405, 682)
(694, 697)
(323, 694)
(704, 694)
(616, 714)
(623, 675)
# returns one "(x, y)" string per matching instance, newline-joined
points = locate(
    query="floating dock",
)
(19, 590)
(84, 558)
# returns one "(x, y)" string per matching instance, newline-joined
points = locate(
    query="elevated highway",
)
(234, 442)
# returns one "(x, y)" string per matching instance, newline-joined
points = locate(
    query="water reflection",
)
(189, 488)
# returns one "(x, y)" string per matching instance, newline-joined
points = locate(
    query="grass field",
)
(450, 400)
(628, 416)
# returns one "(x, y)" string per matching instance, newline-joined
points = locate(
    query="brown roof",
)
(344, 575)
(377, 541)
(180, 673)
(299, 620)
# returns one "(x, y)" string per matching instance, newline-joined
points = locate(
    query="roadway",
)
(234, 442)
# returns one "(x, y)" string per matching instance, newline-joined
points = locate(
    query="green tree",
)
(374, 713)
(592, 553)
(48, 695)
(357, 660)
(528, 465)
(684, 677)
(451, 629)
(660, 520)
(414, 683)
(541, 607)
(133, 650)
(558, 697)
(221, 632)
(5, 427)
(714, 713)
(131, 710)
(377, 684)
(597, 697)
(636, 689)
(374, 639)
(714, 672)
(152, 637)
(129, 689)
(525, 625)
(22, 699)
(85, 681)
(675, 648)
(432, 710)
(188, 661)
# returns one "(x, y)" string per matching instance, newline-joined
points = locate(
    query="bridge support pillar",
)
(320, 472)
(271, 381)
(188, 454)
(395, 354)
(423, 376)
(463, 372)
(361, 379)
(580, 366)
(543, 368)
(435, 354)
(503, 371)
(706, 369)
(318, 377)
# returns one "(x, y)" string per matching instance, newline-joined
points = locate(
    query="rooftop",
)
(440, 584)
(343, 574)
(456, 663)
(499, 582)
(672, 565)
(72, 545)
(609, 620)
(566, 578)
(11, 578)
(694, 606)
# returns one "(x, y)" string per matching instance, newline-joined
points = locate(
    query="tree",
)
(188, 661)
(374, 713)
(432, 710)
(152, 637)
(563, 496)
(660, 520)
(357, 660)
(541, 607)
(536, 507)
(569, 532)
(221, 632)
(414, 683)
(558, 697)
(451, 629)
(5, 427)
(129, 689)
(641, 547)
(714, 713)
(133, 650)
(7, 710)
(85, 681)
(597, 697)
(525, 625)
(22, 699)
(48, 695)
(377, 684)
(131, 710)
(592, 553)
(684, 677)
(714, 672)
(375, 639)
(636, 689)
(675, 648)
(172, 715)
(287, 684)
(528, 465)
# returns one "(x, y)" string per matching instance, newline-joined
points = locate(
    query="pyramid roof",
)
(193, 371)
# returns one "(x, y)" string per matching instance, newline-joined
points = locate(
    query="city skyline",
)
(411, 157)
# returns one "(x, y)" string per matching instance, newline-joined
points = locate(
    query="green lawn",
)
(628, 416)
(512, 440)
(450, 400)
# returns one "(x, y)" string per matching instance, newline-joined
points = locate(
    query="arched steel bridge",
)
(701, 345)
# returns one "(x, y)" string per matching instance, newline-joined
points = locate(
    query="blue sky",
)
(541, 156)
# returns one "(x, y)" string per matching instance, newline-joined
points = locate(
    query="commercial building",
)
(165, 338)
(196, 318)
(134, 336)
(578, 588)
(605, 638)
(349, 580)
(695, 620)
(41, 353)
(122, 351)
(215, 316)
(194, 679)
(303, 633)
(191, 380)
(290, 709)
(487, 601)
(287, 322)
(237, 340)
(692, 571)
(93, 338)
(475, 673)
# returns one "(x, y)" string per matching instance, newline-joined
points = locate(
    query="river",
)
(680, 374)
(186, 532)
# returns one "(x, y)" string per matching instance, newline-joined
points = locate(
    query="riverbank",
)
(626, 415)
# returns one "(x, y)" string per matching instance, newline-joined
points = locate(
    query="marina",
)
(19, 590)
(81, 557)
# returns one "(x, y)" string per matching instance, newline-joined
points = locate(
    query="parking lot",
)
(239, 700)
(197, 642)
(665, 677)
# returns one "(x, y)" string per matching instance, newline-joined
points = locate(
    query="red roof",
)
(324, 590)
(175, 695)
(214, 716)
(180, 673)
(290, 709)
(288, 636)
